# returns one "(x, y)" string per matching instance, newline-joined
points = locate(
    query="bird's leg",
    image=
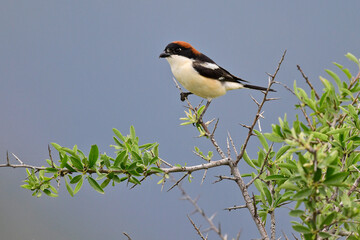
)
(184, 95)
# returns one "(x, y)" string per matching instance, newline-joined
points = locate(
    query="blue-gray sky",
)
(70, 71)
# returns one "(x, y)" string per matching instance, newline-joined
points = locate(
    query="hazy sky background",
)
(70, 71)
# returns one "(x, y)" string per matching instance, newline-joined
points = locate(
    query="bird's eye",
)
(177, 50)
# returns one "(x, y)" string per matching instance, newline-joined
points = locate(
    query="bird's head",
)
(180, 48)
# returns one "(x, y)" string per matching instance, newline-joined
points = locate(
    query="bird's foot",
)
(184, 95)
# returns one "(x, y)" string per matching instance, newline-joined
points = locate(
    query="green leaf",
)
(76, 179)
(336, 131)
(76, 163)
(136, 157)
(321, 136)
(334, 76)
(134, 180)
(273, 137)
(328, 220)
(302, 194)
(336, 178)
(352, 58)
(156, 150)
(105, 183)
(68, 187)
(121, 157)
(79, 184)
(26, 186)
(262, 140)
(268, 195)
(296, 213)
(49, 193)
(155, 169)
(325, 235)
(95, 185)
(276, 177)
(200, 110)
(301, 229)
(132, 133)
(289, 185)
(93, 155)
(317, 175)
(56, 146)
(282, 150)
(327, 84)
(118, 134)
(51, 170)
(248, 161)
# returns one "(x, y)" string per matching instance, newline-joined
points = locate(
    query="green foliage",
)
(132, 161)
(317, 166)
(193, 118)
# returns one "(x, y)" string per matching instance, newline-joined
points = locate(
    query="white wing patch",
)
(212, 66)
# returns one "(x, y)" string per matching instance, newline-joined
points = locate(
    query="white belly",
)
(201, 86)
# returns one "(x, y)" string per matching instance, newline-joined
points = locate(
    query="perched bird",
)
(199, 74)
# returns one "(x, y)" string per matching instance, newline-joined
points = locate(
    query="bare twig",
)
(51, 159)
(129, 238)
(245, 126)
(204, 176)
(7, 159)
(178, 181)
(228, 148)
(166, 163)
(294, 236)
(235, 207)
(233, 145)
(18, 159)
(286, 238)
(196, 228)
(286, 87)
(223, 178)
(200, 156)
(255, 101)
(306, 117)
(213, 131)
(308, 82)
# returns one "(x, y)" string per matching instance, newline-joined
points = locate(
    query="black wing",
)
(212, 70)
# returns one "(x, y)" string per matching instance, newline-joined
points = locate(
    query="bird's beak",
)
(164, 55)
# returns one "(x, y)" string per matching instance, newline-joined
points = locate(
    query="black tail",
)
(258, 88)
